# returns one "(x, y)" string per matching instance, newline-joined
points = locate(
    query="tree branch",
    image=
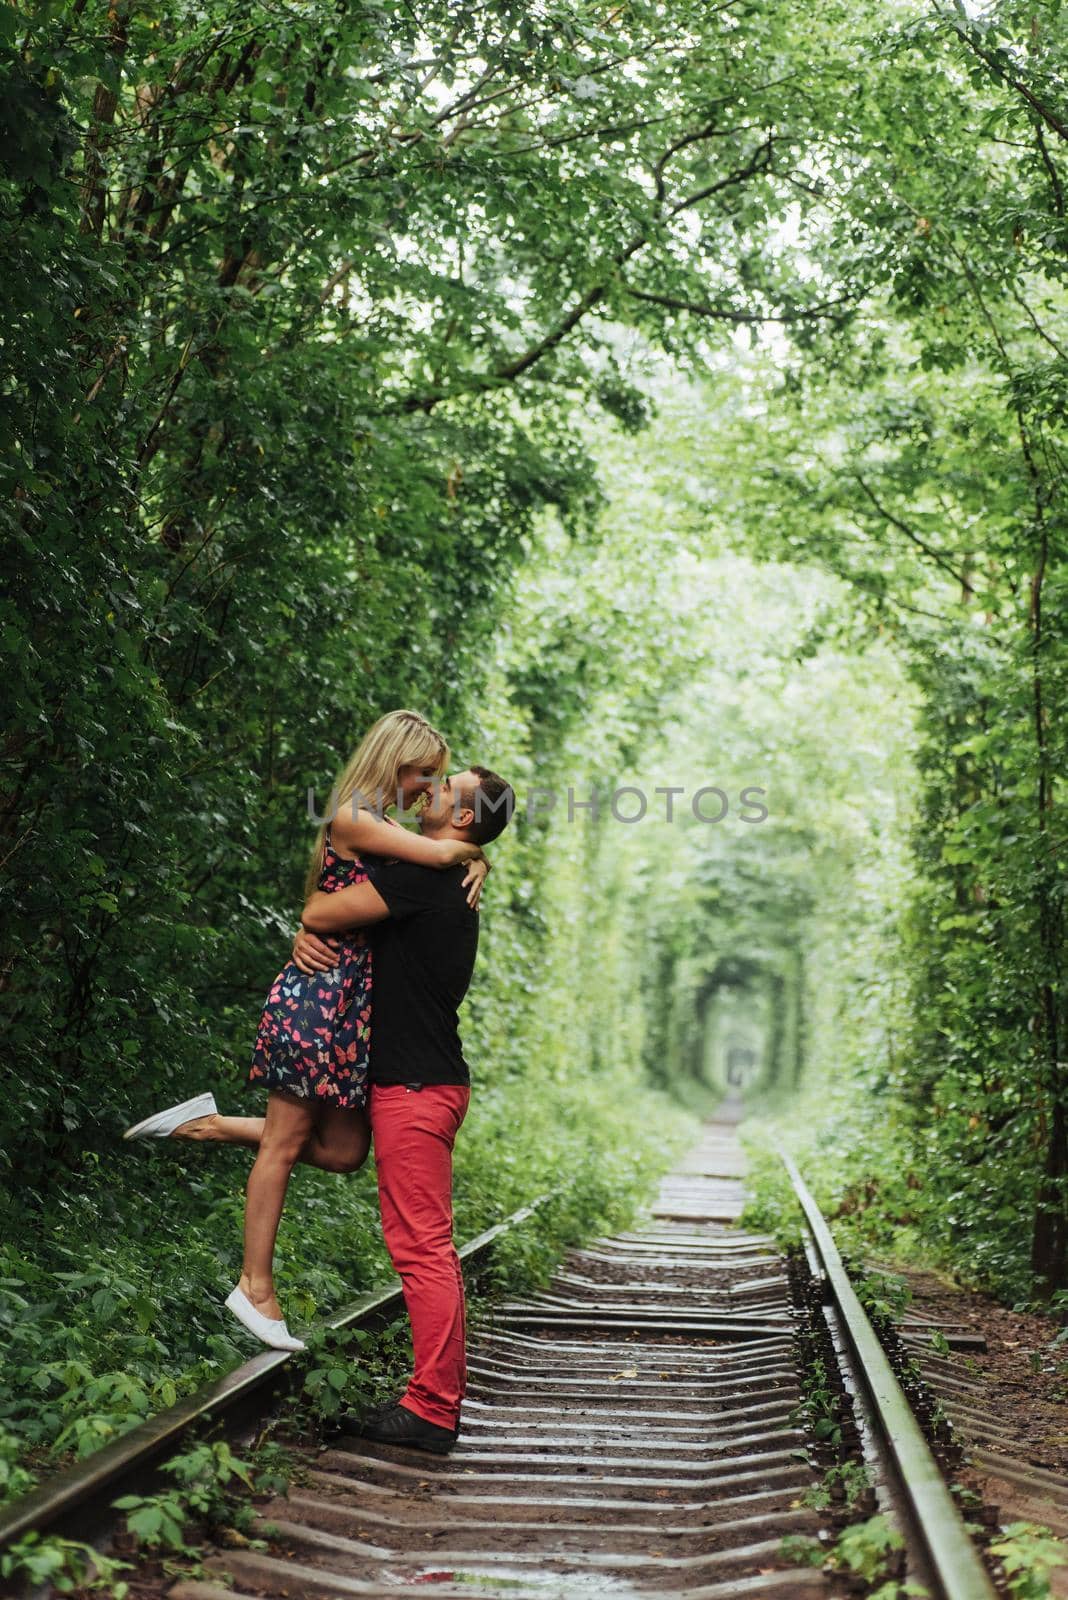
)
(728, 314)
(936, 556)
(966, 35)
(1051, 169)
(760, 162)
(593, 296)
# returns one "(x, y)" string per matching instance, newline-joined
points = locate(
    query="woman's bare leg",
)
(223, 1130)
(339, 1140)
(287, 1127)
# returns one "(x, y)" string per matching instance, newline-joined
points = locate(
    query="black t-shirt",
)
(424, 954)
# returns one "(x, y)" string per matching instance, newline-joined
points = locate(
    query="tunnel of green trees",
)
(665, 397)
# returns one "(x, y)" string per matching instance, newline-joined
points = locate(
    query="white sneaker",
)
(163, 1123)
(268, 1330)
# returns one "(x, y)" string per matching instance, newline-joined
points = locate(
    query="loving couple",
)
(359, 1039)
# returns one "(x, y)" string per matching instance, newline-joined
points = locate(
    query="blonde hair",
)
(372, 772)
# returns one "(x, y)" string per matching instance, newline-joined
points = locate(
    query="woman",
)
(312, 1047)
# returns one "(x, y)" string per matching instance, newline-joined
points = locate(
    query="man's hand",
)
(476, 877)
(313, 954)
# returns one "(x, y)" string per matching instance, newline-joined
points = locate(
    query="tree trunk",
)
(1049, 1240)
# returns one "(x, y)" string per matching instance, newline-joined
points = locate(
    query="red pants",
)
(413, 1132)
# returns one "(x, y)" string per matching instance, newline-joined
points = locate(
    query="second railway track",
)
(632, 1430)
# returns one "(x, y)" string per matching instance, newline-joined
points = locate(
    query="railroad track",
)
(997, 1447)
(632, 1430)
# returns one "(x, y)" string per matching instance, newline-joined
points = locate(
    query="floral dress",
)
(314, 1037)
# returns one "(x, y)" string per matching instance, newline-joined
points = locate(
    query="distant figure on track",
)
(312, 1049)
(424, 953)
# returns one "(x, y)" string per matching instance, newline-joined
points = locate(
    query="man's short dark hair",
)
(493, 803)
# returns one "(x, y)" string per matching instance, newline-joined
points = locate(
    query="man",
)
(424, 943)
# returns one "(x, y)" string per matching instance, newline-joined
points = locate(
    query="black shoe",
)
(400, 1426)
(354, 1421)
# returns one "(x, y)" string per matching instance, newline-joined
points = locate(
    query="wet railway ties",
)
(627, 1432)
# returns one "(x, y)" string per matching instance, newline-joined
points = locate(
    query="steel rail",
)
(124, 1464)
(955, 1560)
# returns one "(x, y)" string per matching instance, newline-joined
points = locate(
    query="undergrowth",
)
(209, 1492)
(111, 1307)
